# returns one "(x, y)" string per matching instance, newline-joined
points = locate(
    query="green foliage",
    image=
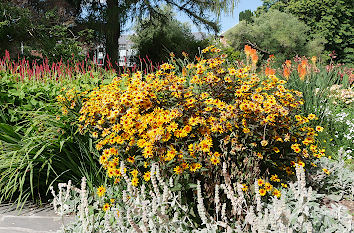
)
(43, 35)
(112, 16)
(232, 54)
(335, 116)
(246, 15)
(38, 147)
(331, 19)
(14, 23)
(276, 33)
(156, 37)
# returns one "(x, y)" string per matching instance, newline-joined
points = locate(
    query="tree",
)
(246, 15)
(113, 15)
(331, 19)
(156, 37)
(47, 28)
(276, 33)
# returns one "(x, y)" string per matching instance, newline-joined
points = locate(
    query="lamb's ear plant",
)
(339, 184)
(299, 209)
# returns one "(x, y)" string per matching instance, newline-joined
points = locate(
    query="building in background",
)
(126, 51)
(99, 55)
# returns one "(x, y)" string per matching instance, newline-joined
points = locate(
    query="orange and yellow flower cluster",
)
(210, 113)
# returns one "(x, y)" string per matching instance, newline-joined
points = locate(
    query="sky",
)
(227, 21)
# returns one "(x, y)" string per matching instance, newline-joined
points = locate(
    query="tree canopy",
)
(246, 15)
(45, 30)
(331, 19)
(155, 38)
(113, 15)
(278, 33)
(107, 18)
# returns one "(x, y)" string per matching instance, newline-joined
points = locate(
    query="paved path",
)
(30, 219)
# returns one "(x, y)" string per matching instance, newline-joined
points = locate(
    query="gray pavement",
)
(31, 219)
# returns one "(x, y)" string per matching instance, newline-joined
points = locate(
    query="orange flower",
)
(184, 72)
(288, 63)
(248, 50)
(286, 72)
(254, 58)
(269, 71)
(301, 69)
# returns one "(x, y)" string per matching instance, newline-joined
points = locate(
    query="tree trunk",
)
(112, 32)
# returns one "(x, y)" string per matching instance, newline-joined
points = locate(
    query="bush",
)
(195, 118)
(278, 33)
(38, 147)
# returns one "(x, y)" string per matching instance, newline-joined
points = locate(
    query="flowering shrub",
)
(192, 121)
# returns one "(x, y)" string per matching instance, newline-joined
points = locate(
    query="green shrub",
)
(38, 147)
(278, 33)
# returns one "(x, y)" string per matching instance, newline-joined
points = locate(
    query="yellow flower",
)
(101, 190)
(319, 128)
(134, 173)
(94, 135)
(260, 182)
(103, 159)
(178, 170)
(214, 160)
(262, 192)
(264, 142)
(194, 167)
(287, 137)
(116, 180)
(244, 187)
(205, 145)
(106, 207)
(296, 148)
(274, 177)
(276, 149)
(131, 159)
(268, 187)
(135, 181)
(276, 193)
(301, 163)
(147, 176)
(325, 170)
(232, 71)
(311, 116)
